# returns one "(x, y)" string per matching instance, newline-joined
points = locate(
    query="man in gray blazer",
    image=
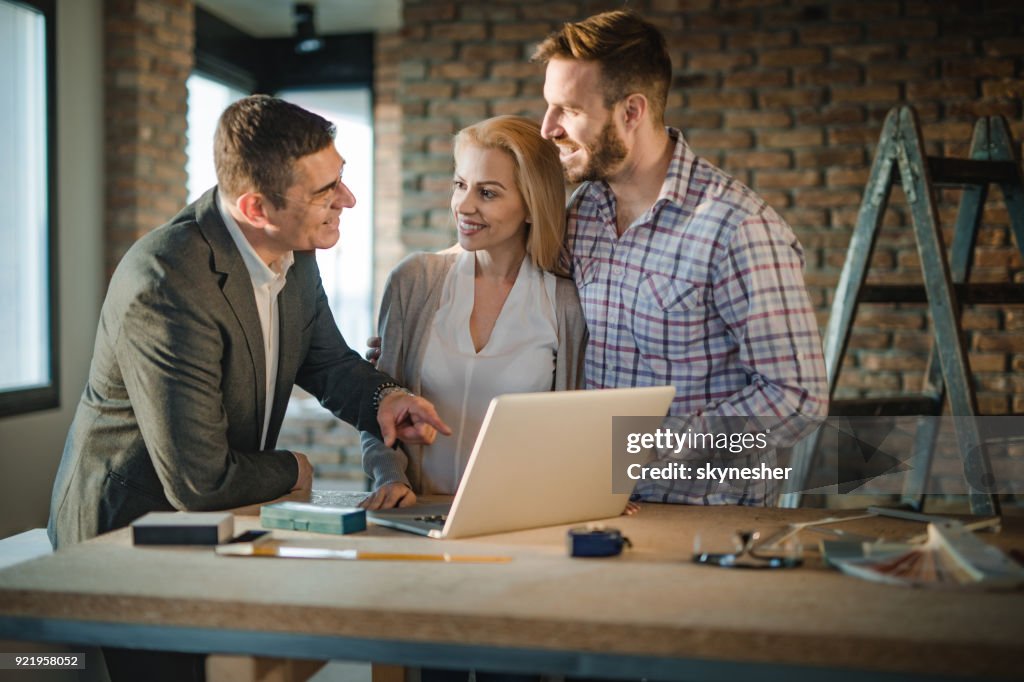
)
(208, 322)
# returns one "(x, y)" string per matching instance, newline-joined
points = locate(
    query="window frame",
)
(35, 398)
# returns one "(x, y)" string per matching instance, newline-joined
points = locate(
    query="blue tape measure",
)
(590, 541)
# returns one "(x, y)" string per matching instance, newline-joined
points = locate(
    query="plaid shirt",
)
(704, 291)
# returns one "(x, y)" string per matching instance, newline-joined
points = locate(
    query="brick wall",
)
(147, 59)
(387, 124)
(789, 96)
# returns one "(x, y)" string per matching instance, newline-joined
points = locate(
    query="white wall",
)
(30, 445)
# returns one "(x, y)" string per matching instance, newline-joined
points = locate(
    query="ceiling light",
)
(306, 39)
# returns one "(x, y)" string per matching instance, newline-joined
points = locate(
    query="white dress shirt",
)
(519, 357)
(267, 283)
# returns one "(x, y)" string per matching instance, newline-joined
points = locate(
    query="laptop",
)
(540, 459)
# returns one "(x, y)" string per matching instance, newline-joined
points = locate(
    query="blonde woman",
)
(493, 314)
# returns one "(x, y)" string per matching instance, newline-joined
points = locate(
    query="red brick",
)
(458, 71)
(811, 97)
(757, 160)
(847, 177)
(695, 42)
(826, 198)
(876, 316)
(433, 51)
(759, 40)
(816, 236)
(908, 29)
(435, 11)
(992, 404)
(697, 119)
(517, 69)
(947, 130)
(793, 56)
(998, 47)
(945, 89)
(429, 90)
(526, 31)
(460, 31)
(554, 11)
(787, 179)
(828, 74)
(533, 89)
(777, 200)
(718, 100)
(436, 184)
(415, 128)
(865, 54)
(832, 156)
(789, 139)
(487, 90)
(718, 61)
(811, 228)
(722, 20)
(719, 139)
(487, 12)
(831, 34)
(866, 93)
(1006, 258)
(899, 72)
(416, 108)
(757, 78)
(942, 47)
(987, 362)
(671, 6)
(1005, 87)
(1014, 318)
(983, 107)
(854, 135)
(860, 339)
(877, 381)
(821, 278)
(757, 119)
(831, 115)
(892, 362)
(531, 108)
(489, 53)
(749, 4)
(857, 10)
(441, 146)
(979, 68)
(1000, 341)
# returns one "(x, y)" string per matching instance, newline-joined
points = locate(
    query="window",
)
(28, 314)
(347, 268)
(207, 99)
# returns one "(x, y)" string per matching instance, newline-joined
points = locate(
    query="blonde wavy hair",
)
(538, 175)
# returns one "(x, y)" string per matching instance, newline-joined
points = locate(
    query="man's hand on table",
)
(390, 496)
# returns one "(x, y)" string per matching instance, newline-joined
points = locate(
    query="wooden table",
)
(649, 613)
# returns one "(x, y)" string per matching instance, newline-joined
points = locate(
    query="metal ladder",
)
(900, 159)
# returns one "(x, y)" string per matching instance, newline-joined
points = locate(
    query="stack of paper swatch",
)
(950, 557)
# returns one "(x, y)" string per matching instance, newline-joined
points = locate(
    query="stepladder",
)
(945, 288)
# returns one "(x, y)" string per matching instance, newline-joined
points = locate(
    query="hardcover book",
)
(183, 528)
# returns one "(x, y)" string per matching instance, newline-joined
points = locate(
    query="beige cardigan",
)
(411, 297)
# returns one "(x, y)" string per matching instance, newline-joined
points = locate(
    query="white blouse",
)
(519, 357)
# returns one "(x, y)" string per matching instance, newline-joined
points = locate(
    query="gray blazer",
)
(411, 298)
(172, 413)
